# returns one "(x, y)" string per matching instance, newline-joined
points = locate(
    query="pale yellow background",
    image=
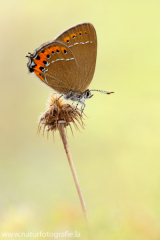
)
(117, 156)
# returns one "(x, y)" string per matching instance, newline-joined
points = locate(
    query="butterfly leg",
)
(77, 105)
(57, 100)
(82, 107)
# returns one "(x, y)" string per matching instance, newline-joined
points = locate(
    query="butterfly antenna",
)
(105, 92)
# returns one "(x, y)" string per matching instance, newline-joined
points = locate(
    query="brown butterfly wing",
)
(67, 62)
(82, 41)
(57, 66)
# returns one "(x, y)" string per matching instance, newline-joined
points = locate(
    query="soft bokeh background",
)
(117, 156)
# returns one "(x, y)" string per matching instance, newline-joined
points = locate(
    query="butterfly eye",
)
(87, 93)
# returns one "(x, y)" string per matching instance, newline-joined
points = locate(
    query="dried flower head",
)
(58, 113)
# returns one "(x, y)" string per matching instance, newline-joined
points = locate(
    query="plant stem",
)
(66, 147)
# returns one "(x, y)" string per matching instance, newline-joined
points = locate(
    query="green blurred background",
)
(117, 156)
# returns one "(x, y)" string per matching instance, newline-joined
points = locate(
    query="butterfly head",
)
(87, 94)
(77, 96)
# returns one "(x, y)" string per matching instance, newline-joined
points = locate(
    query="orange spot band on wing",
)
(51, 50)
(64, 50)
(56, 49)
(44, 53)
(39, 75)
(73, 35)
(67, 39)
(40, 62)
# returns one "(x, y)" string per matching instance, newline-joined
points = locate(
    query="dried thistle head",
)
(58, 113)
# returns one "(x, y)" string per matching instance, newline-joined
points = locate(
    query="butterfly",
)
(67, 63)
